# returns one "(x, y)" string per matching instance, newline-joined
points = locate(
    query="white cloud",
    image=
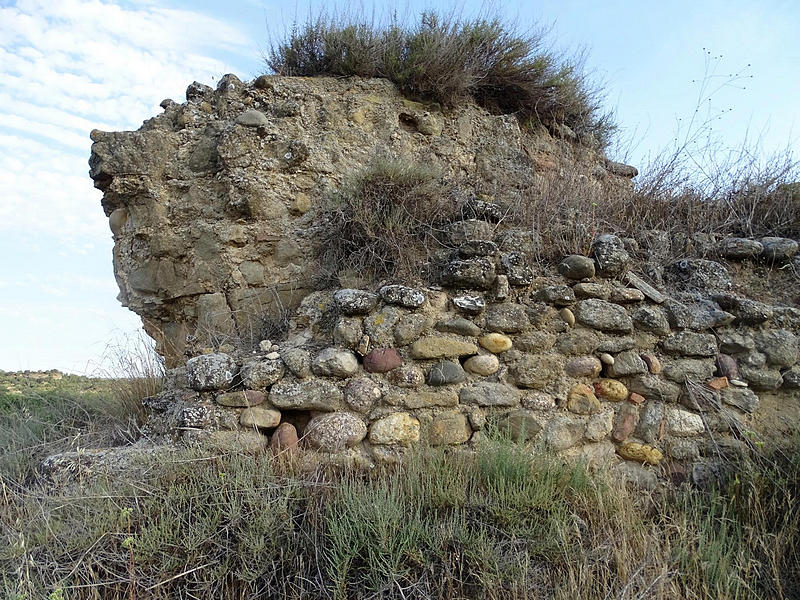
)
(74, 65)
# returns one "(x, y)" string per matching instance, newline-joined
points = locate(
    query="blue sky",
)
(68, 66)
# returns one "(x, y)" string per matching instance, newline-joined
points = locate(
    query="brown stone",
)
(718, 383)
(284, 439)
(624, 422)
(382, 360)
(635, 398)
(582, 401)
(611, 389)
(652, 362)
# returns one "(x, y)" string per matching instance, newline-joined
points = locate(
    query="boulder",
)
(305, 394)
(519, 425)
(242, 399)
(489, 394)
(382, 360)
(536, 371)
(697, 274)
(507, 318)
(495, 342)
(335, 431)
(603, 315)
(484, 365)
(334, 362)
(436, 346)
(778, 249)
(446, 372)
(355, 302)
(259, 374)
(395, 429)
(576, 267)
(210, 372)
(469, 304)
(449, 428)
(610, 255)
(740, 248)
(474, 273)
(402, 295)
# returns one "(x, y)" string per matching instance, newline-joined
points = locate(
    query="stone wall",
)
(618, 357)
(604, 368)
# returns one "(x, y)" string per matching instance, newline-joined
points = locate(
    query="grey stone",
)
(407, 376)
(651, 425)
(469, 304)
(748, 312)
(603, 315)
(252, 118)
(622, 295)
(480, 209)
(559, 295)
(379, 326)
(409, 328)
(259, 374)
(688, 343)
(698, 318)
(584, 366)
(361, 393)
(507, 318)
(778, 249)
(402, 295)
(627, 363)
(210, 372)
(644, 287)
(536, 371)
(617, 343)
(515, 267)
(355, 302)
(739, 248)
(654, 388)
(535, 341)
(474, 248)
(692, 369)
(458, 325)
(610, 255)
(348, 332)
(446, 372)
(519, 425)
(761, 379)
(697, 274)
(473, 273)
(742, 398)
(732, 342)
(576, 267)
(335, 431)
(305, 394)
(601, 291)
(651, 319)
(562, 432)
(298, 361)
(575, 341)
(779, 346)
(486, 393)
(334, 362)
(459, 232)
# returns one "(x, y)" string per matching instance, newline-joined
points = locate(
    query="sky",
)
(69, 66)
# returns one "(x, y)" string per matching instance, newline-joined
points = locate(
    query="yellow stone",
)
(582, 401)
(495, 342)
(640, 453)
(436, 346)
(611, 389)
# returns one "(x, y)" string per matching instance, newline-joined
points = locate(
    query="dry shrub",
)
(448, 60)
(384, 221)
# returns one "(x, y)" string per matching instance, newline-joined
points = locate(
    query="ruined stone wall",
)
(214, 202)
(615, 357)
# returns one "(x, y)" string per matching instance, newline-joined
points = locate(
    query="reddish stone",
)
(652, 362)
(382, 360)
(624, 422)
(284, 440)
(718, 383)
(636, 398)
(727, 367)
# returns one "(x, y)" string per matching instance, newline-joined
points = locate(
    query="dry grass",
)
(505, 523)
(448, 59)
(384, 221)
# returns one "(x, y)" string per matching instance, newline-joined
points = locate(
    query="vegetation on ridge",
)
(447, 60)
